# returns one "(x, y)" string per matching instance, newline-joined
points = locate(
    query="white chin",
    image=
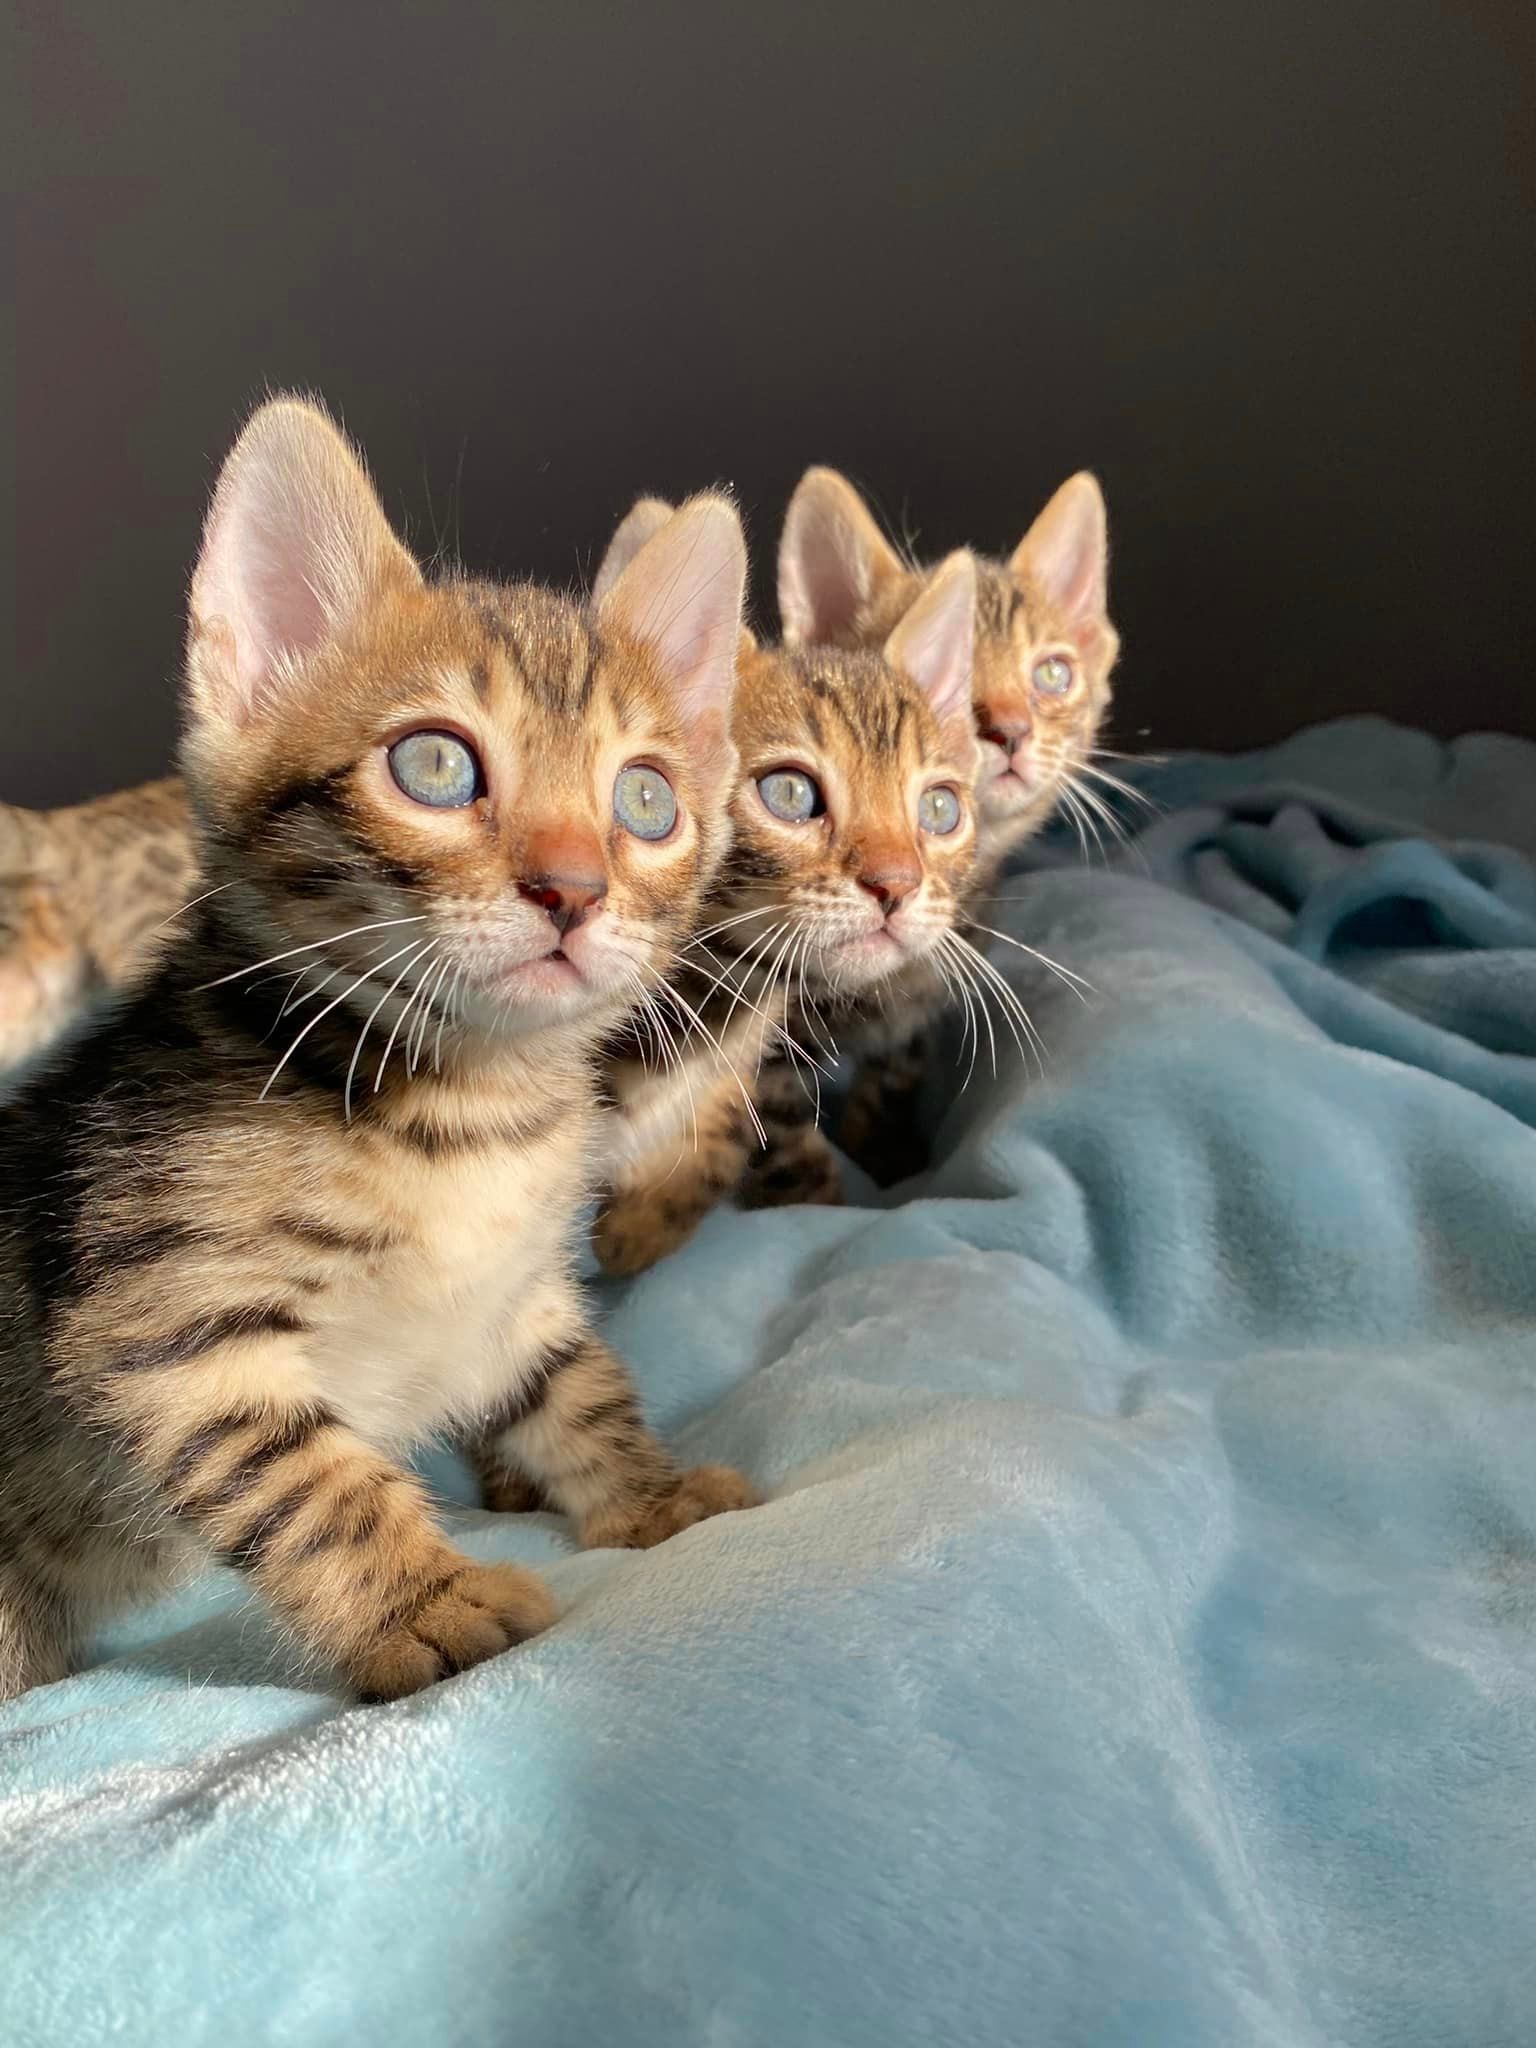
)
(533, 995)
(860, 962)
(1006, 795)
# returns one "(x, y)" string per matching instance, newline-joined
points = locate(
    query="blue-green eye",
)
(1053, 675)
(437, 769)
(791, 795)
(643, 803)
(938, 809)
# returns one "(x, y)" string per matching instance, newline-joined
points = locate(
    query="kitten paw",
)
(481, 1611)
(630, 1236)
(511, 1493)
(702, 1491)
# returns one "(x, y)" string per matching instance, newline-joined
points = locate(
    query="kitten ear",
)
(935, 643)
(1065, 554)
(294, 546)
(833, 559)
(681, 597)
(647, 516)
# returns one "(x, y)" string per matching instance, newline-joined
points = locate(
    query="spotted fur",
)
(85, 895)
(248, 1261)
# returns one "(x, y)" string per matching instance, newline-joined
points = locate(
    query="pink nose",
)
(891, 888)
(1004, 728)
(567, 898)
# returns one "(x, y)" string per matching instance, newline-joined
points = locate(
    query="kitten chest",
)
(450, 1318)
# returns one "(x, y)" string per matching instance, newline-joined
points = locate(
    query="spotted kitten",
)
(854, 838)
(251, 1253)
(1045, 649)
(84, 896)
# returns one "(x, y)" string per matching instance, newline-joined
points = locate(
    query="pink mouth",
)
(870, 942)
(551, 974)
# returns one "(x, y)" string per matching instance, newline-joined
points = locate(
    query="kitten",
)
(1045, 649)
(854, 838)
(84, 896)
(248, 1259)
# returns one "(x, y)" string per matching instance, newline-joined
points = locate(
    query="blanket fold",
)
(1139, 1642)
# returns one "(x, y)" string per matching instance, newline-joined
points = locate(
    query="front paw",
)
(476, 1613)
(630, 1236)
(695, 1495)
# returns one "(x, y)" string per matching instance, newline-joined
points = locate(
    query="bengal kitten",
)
(854, 839)
(251, 1254)
(1045, 649)
(84, 898)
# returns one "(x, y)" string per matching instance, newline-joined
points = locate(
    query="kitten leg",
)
(38, 1633)
(576, 1432)
(879, 1127)
(658, 1201)
(797, 1164)
(334, 1535)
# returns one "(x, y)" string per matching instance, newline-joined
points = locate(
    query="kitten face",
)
(854, 824)
(510, 806)
(853, 815)
(1044, 644)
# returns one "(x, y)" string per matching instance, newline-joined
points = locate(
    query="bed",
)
(1138, 1644)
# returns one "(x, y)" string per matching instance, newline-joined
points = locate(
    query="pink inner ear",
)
(295, 543)
(274, 610)
(935, 643)
(820, 585)
(681, 596)
(1064, 552)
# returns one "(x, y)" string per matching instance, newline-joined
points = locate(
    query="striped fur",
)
(243, 1269)
(841, 582)
(792, 938)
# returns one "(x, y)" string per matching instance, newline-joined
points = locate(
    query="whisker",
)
(437, 1044)
(432, 985)
(1120, 785)
(726, 923)
(319, 1018)
(314, 946)
(357, 1050)
(673, 995)
(378, 1079)
(1011, 1007)
(955, 947)
(1080, 988)
(217, 890)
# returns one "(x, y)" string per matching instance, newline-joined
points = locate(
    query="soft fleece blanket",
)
(1139, 1643)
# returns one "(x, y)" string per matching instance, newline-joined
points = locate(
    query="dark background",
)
(1266, 269)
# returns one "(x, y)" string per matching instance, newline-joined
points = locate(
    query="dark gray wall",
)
(1265, 268)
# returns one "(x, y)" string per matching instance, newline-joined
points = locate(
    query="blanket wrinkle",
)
(1138, 1645)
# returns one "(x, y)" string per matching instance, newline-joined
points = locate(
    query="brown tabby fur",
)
(842, 582)
(773, 942)
(229, 1295)
(84, 896)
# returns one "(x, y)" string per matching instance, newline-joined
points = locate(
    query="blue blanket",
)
(1139, 1643)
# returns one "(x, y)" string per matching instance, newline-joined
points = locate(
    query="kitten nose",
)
(1004, 727)
(567, 898)
(892, 885)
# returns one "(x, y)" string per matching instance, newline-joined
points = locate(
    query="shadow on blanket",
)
(1140, 1643)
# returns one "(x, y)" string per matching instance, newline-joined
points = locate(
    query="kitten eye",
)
(1053, 675)
(791, 795)
(643, 802)
(938, 809)
(436, 768)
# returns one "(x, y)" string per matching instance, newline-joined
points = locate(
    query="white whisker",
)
(314, 946)
(319, 1017)
(1080, 988)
